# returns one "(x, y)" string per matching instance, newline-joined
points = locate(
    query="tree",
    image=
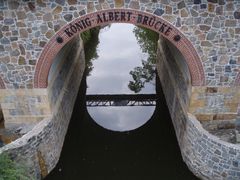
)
(90, 41)
(147, 40)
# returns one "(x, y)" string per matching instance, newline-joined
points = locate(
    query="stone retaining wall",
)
(40, 148)
(207, 156)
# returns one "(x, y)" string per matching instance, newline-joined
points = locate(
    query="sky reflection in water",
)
(118, 54)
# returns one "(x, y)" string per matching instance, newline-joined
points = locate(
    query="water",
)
(118, 54)
(92, 152)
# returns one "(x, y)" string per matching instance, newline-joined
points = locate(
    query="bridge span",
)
(103, 100)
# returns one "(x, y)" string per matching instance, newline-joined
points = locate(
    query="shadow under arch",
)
(103, 17)
(2, 84)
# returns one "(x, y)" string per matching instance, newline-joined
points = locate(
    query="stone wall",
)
(40, 148)
(60, 69)
(207, 103)
(207, 156)
(215, 103)
(178, 70)
(24, 106)
(211, 26)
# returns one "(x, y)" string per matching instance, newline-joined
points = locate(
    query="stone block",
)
(90, 7)
(204, 27)
(119, 3)
(184, 13)
(181, 5)
(204, 117)
(50, 33)
(230, 23)
(21, 60)
(224, 116)
(68, 17)
(13, 4)
(237, 14)
(23, 33)
(134, 5)
(72, 2)
(47, 17)
(211, 90)
(21, 15)
(61, 2)
(159, 12)
(211, 7)
(197, 1)
(237, 136)
(57, 10)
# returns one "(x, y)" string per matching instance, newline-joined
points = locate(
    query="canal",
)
(95, 149)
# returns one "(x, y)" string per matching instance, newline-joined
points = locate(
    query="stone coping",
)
(199, 127)
(24, 139)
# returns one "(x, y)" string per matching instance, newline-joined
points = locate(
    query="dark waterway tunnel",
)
(91, 152)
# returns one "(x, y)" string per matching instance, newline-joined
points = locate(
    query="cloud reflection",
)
(119, 53)
(121, 118)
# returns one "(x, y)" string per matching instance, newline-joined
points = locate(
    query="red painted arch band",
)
(104, 17)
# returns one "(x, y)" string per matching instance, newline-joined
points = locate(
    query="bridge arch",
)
(103, 17)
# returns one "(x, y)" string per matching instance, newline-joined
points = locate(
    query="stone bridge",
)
(42, 63)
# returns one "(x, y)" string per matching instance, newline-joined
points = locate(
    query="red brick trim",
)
(237, 82)
(184, 45)
(2, 84)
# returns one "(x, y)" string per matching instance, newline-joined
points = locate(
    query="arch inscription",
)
(104, 17)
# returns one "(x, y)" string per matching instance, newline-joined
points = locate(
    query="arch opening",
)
(104, 17)
(121, 79)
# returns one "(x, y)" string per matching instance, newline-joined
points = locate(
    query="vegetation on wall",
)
(147, 39)
(10, 170)
(90, 41)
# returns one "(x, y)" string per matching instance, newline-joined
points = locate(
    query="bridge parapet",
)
(212, 27)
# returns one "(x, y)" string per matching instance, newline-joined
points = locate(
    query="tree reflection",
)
(147, 40)
(90, 40)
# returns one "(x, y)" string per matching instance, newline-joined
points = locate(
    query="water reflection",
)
(121, 118)
(118, 55)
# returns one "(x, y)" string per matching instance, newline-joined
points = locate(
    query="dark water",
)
(91, 152)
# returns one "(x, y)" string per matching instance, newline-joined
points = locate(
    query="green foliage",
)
(90, 41)
(147, 40)
(9, 170)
